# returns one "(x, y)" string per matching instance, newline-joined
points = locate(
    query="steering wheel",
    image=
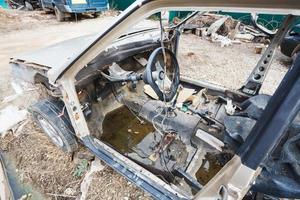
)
(164, 83)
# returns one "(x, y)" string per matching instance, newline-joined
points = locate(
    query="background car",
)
(63, 8)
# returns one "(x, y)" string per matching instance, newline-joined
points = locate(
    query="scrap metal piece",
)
(96, 166)
(258, 75)
(10, 117)
(5, 188)
(216, 25)
(254, 18)
(209, 139)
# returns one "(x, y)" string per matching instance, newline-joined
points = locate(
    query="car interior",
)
(180, 129)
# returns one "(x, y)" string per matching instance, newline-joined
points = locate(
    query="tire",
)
(97, 14)
(77, 16)
(60, 16)
(57, 126)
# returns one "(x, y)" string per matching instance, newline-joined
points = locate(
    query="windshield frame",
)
(142, 8)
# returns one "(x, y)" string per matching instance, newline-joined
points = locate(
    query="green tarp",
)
(119, 4)
(270, 21)
(3, 4)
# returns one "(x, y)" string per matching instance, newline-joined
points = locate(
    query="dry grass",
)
(109, 185)
(40, 163)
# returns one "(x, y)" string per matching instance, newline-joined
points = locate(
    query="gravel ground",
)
(113, 185)
(227, 66)
(39, 163)
(15, 20)
(49, 170)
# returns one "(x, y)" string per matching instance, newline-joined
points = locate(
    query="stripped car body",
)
(75, 68)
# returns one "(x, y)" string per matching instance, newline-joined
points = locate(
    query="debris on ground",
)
(258, 49)
(19, 90)
(11, 117)
(223, 29)
(214, 27)
(112, 186)
(96, 166)
(11, 20)
(39, 163)
(16, 20)
(225, 41)
(86, 155)
(27, 5)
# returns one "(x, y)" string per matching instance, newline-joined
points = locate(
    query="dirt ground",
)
(38, 161)
(20, 20)
(228, 66)
(51, 171)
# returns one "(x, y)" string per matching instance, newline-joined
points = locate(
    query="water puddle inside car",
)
(209, 168)
(123, 131)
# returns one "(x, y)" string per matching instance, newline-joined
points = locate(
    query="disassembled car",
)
(122, 97)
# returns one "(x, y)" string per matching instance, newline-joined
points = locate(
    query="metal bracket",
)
(258, 75)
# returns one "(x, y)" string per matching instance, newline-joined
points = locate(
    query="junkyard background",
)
(44, 171)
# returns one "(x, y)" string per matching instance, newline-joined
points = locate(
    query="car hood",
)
(57, 57)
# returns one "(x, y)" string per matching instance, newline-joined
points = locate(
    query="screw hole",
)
(257, 76)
